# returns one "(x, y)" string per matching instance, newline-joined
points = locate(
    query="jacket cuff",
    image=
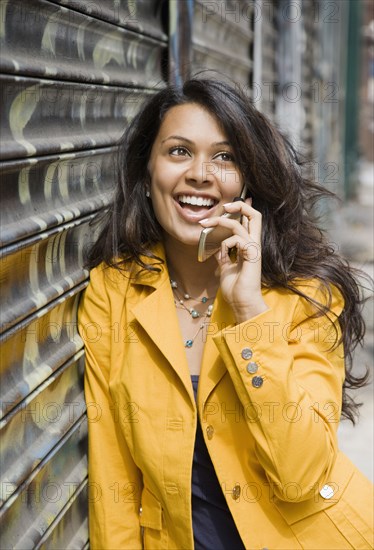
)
(257, 351)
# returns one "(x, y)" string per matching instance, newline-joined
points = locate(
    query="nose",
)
(201, 171)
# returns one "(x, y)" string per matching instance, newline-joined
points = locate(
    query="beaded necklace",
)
(180, 303)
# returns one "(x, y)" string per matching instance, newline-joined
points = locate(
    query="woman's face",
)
(193, 172)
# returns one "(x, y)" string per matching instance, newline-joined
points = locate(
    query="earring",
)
(147, 194)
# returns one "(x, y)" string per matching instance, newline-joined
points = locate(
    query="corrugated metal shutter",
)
(308, 77)
(267, 43)
(329, 92)
(296, 72)
(222, 38)
(309, 98)
(73, 74)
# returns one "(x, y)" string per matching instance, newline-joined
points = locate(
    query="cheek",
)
(161, 203)
(158, 212)
(233, 184)
(165, 173)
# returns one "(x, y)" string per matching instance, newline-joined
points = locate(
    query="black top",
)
(213, 525)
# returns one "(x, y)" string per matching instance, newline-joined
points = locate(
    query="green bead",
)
(188, 344)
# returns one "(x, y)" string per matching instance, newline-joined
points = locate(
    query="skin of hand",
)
(240, 280)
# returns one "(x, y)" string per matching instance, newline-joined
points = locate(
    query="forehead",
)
(189, 120)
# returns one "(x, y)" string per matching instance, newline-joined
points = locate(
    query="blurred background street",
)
(352, 230)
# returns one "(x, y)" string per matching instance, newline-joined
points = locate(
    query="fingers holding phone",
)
(239, 227)
(251, 218)
(240, 276)
(214, 234)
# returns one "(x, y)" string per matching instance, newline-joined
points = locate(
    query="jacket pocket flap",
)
(151, 515)
(332, 490)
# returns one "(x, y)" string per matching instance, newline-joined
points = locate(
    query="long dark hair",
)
(293, 245)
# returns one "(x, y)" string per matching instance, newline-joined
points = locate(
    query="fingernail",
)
(204, 220)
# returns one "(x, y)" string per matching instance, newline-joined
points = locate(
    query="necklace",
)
(179, 302)
(192, 311)
(189, 343)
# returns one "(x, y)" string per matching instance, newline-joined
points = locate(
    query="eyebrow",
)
(191, 142)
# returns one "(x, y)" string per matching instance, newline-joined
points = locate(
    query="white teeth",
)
(196, 201)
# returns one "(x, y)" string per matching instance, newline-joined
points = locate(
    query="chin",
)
(187, 238)
(190, 240)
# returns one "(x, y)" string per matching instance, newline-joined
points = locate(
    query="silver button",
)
(257, 381)
(327, 492)
(247, 353)
(209, 432)
(236, 492)
(252, 368)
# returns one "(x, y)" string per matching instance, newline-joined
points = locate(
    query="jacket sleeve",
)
(115, 482)
(292, 402)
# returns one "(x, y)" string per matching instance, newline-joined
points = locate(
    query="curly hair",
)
(293, 246)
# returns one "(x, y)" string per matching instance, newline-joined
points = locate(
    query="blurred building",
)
(73, 73)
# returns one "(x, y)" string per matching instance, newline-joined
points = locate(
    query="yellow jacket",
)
(274, 447)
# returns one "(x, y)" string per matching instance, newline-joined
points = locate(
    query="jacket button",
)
(209, 431)
(257, 381)
(247, 353)
(327, 492)
(252, 368)
(236, 492)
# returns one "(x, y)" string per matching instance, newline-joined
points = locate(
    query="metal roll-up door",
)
(291, 49)
(329, 92)
(222, 39)
(308, 88)
(264, 74)
(296, 98)
(73, 74)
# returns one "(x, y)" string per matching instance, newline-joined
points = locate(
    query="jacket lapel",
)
(156, 313)
(212, 367)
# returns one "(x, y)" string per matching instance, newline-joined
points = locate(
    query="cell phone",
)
(212, 237)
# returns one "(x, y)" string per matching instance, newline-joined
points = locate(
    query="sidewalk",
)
(352, 230)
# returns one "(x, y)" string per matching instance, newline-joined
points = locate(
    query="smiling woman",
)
(220, 384)
(193, 173)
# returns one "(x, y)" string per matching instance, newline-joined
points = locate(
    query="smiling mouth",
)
(196, 204)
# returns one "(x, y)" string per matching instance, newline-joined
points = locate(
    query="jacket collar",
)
(155, 279)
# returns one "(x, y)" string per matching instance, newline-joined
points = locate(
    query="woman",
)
(214, 389)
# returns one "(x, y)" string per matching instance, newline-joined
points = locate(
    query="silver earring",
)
(147, 194)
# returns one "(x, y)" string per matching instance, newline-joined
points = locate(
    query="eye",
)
(225, 156)
(178, 151)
